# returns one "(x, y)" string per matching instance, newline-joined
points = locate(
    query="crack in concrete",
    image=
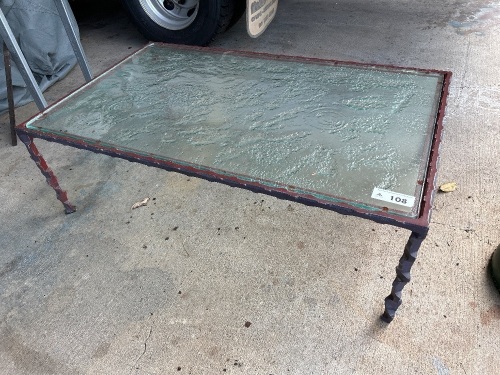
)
(134, 367)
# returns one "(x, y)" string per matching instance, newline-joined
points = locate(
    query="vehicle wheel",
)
(239, 9)
(194, 22)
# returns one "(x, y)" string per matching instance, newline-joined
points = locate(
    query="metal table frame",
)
(418, 226)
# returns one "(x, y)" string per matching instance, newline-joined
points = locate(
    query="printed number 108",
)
(398, 199)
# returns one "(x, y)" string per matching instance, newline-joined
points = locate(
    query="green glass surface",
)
(333, 131)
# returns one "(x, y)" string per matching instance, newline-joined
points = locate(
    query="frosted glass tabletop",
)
(338, 132)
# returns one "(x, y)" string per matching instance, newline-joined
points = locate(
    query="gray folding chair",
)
(12, 50)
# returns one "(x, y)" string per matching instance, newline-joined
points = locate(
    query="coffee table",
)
(357, 139)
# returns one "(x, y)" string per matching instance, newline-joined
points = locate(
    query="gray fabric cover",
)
(42, 38)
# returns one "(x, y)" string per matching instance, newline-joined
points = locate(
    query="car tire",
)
(194, 22)
(239, 9)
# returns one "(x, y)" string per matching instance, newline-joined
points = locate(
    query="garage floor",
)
(208, 279)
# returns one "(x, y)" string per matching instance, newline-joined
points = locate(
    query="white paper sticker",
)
(393, 197)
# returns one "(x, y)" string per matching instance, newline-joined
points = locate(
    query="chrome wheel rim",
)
(171, 14)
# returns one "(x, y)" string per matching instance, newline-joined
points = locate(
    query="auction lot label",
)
(260, 13)
(393, 197)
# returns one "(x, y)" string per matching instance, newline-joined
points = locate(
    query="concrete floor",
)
(169, 287)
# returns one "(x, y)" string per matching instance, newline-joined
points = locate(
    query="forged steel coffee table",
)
(357, 139)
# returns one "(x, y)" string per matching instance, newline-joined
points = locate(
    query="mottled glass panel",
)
(339, 132)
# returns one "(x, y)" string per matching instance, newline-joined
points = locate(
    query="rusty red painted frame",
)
(418, 225)
(47, 172)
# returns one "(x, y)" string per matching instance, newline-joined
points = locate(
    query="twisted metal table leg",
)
(47, 172)
(393, 301)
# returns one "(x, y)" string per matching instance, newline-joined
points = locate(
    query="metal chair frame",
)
(13, 51)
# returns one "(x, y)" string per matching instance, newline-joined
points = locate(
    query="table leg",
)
(393, 301)
(47, 172)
